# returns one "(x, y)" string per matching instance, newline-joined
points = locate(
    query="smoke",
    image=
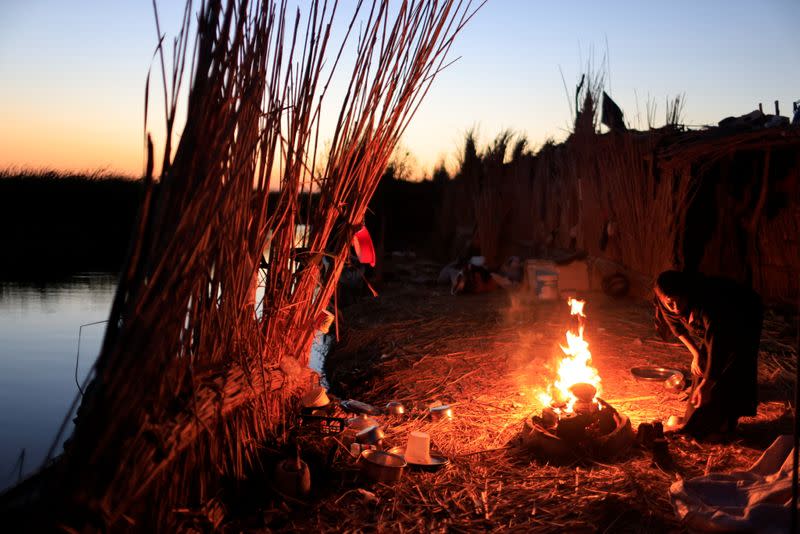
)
(536, 328)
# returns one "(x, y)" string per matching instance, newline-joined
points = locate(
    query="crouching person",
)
(726, 317)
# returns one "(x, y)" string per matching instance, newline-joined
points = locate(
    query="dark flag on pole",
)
(612, 115)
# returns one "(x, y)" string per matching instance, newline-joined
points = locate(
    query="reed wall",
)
(721, 202)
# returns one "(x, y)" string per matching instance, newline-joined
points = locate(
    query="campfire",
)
(575, 421)
(578, 383)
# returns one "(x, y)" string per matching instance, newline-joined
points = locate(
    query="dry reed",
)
(643, 187)
(191, 378)
(648, 203)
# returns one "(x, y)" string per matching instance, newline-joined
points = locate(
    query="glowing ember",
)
(574, 368)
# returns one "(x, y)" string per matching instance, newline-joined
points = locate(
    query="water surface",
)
(39, 326)
(38, 345)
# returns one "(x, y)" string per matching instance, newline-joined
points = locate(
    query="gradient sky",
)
(72, 74)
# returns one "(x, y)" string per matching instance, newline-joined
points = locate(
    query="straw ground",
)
(487, 356)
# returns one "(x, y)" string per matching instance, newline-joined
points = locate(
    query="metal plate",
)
(652, 373)
(437, 458)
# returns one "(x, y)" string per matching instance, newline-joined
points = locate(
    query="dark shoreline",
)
(53, 225)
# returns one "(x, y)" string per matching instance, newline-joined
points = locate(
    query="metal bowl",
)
(359, 423)
(382, 466)
(395, 408)
(441, 412)
(652, 373)
(676, 382)
(371, 435)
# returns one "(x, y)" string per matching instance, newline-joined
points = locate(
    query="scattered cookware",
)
(316, 397)
(434, 460)
(360, 422)
(675, 382)
(652, 373)
(292, 477)
(357, 448)
(674, 422)
(323, 424)
(583, 391)
(418, 446)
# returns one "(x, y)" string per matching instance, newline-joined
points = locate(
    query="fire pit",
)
(575, 422)
(598, 433)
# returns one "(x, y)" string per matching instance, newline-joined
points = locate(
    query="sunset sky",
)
(73, 73)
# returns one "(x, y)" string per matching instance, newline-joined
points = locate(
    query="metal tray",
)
(652, 373)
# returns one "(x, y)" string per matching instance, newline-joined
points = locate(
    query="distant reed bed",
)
(56, 223)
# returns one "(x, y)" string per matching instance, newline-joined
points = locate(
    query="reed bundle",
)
(777, 263)
(193, 376)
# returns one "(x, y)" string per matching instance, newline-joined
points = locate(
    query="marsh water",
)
(39, 326)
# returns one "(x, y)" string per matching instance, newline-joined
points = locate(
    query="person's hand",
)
(696, 370)
(700, 395)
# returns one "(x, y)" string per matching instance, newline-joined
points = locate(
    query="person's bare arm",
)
(692, 346)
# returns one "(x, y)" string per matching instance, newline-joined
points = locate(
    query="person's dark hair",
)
(674, 283)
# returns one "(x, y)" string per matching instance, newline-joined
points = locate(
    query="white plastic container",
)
(418, 449)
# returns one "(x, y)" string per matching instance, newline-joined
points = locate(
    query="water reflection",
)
(38, 342)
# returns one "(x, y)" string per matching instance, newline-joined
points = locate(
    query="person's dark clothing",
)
(727, 317)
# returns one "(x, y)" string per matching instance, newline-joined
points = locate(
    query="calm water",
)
(38, 344)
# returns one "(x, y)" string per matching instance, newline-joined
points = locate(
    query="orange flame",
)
(576, 306)
(575, 367)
